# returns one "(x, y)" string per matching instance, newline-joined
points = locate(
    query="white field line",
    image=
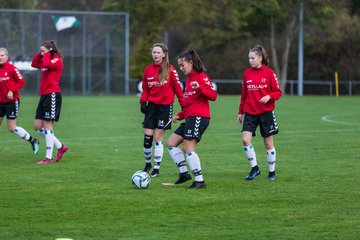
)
(121, 137)
(301, 131)
(101, 138)
(328, 119)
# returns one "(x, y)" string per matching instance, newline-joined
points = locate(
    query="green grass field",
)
(88, 195)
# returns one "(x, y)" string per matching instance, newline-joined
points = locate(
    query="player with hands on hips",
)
(160, 84)
(11, 82)
(260, 90)
(49, 60)
(196, 113)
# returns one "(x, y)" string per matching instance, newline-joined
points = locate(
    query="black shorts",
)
(10, 109)
(49, 107)
(158, 116)
(193, 128)
(266, 121)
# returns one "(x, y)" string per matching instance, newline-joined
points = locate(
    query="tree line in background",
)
(222, 31)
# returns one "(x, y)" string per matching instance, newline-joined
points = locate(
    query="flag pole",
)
(337, 84)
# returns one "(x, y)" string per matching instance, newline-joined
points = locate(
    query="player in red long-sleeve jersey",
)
(50, 62)
(160, 84)
(11, 82)
(196, 112)
(260, 90)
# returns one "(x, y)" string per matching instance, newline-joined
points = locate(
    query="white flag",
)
(65, 22)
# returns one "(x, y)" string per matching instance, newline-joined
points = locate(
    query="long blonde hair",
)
(165, 68)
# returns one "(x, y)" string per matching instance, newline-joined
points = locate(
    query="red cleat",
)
(45, 161)
(61, 152)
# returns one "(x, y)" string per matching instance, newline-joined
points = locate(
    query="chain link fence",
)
(94, 45)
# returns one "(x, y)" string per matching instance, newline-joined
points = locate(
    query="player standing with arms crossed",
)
(160, 83)
(11, 82)
(198, 92)
(260, 90)
(50, 62)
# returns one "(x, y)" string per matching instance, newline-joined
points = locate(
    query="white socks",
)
(22, 133)
(49, 142)
(250, 154)
(178, 158)
(194, 163)
(192, 159)
(271, 157)
(158, 154)
(57, 143)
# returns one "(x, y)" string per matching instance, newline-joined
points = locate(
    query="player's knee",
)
(246, 142)
(269, 145)
(171, 143)
(189, 149)
(148, 139)
(11, 127)
(246, 138)
(37, 127)
(159, 135)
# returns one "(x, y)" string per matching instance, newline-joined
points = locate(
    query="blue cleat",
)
(271, 176)
(253, 173)
(155, 173)
(35, 145)
(197, 185)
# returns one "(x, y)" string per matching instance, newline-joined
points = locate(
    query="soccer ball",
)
(141, 180)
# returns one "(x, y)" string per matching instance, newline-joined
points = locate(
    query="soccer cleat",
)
(183, 177)
(155, 173)
(271, 176)
(197, 185)
(61, 152)
(255, 171)
(147, 167)
(45, 161)
(35, 145)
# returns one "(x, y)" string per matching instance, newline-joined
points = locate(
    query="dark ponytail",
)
(48, 44)
(191, 55)
(260, 51)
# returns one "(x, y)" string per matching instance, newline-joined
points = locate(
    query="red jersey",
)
(197, 99)
(51, 70)
(156, 93)
(10, 80)
(257, 83)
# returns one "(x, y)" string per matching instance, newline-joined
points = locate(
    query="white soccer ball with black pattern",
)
(141, 180)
